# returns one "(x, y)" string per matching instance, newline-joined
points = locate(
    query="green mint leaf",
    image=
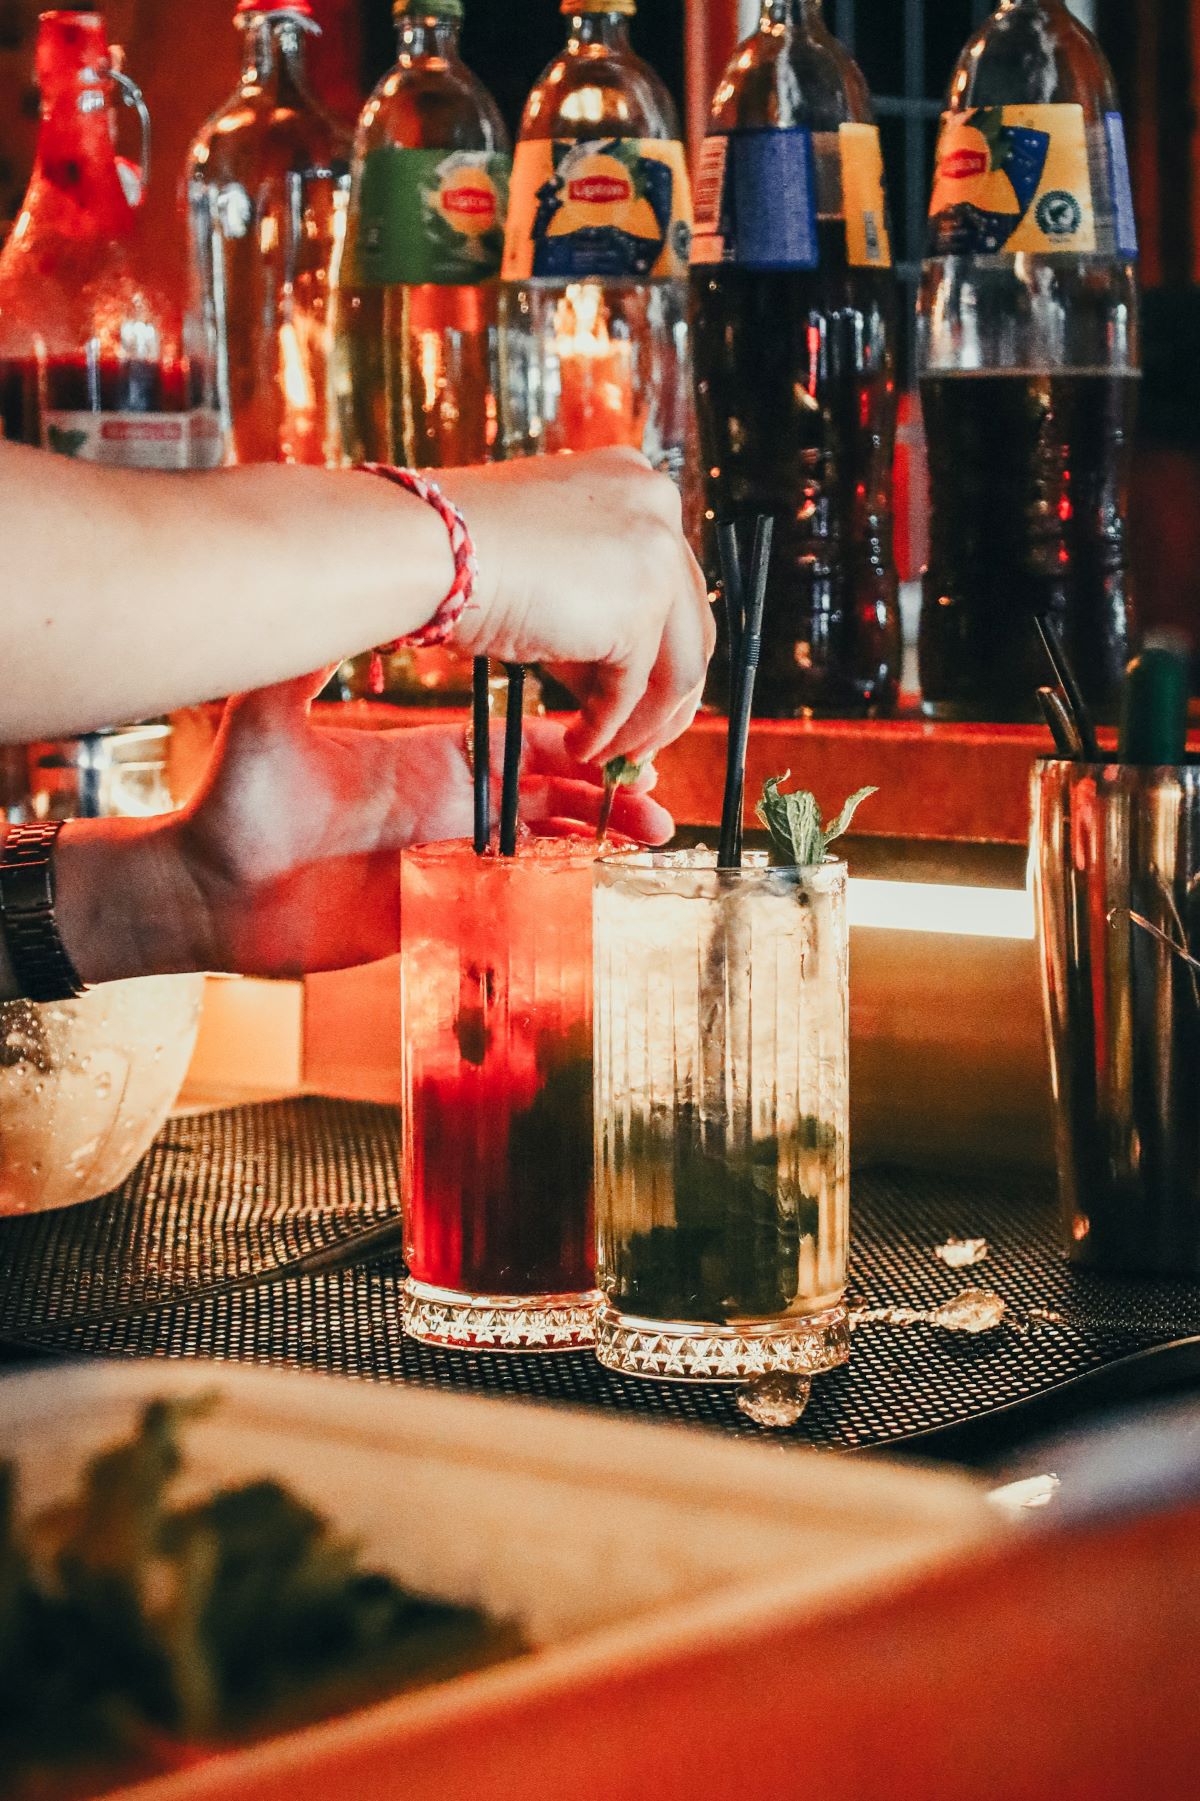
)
(842, 822)
(794, 822)
(620, 771)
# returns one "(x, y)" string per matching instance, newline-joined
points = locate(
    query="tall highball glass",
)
(722, 1065)
(496, 987)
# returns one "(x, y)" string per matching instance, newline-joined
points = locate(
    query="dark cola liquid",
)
(30, 388)
(796, 400)
(1027, 482)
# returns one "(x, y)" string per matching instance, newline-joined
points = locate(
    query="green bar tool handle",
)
(1154, 707)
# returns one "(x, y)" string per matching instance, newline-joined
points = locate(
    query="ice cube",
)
(974, 1310)
(962, 1253)
(776, 1401)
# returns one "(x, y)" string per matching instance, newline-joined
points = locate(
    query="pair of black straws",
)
(744, 603)
(481, 756)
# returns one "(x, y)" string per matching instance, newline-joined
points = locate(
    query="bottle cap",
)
(628, 7)
(428, 9)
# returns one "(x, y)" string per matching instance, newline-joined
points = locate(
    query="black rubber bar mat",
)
(195, 1257)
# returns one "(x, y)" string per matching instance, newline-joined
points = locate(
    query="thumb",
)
(281, 702)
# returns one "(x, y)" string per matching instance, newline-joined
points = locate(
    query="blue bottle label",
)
(756, 200)
(759, 195)
(1124, 223)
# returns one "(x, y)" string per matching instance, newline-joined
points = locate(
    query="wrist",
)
(474, 492)
(127, 903)
(459, 595)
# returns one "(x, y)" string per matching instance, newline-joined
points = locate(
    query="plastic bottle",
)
(418, 285)
(1029, 360)
(794, 322)
(594, 342)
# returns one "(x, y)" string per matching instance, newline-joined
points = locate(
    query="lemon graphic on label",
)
(964, 173)
(598, 190)
(468, 201)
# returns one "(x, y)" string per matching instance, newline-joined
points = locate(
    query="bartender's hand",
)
(286, 861)
(583, 567)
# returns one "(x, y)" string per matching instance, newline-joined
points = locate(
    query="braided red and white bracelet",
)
(462, 589)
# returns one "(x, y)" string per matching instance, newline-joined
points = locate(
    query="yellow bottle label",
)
(617, 208)
(1012, 180)
(864, 203)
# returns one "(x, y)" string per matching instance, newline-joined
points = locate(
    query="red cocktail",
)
(497, 1009)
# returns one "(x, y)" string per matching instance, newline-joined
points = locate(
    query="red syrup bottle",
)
(93, 358)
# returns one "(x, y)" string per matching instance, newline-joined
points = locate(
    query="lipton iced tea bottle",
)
(268, 179)
(92, 361)
(794, 322)
(416, 309)
(594, 329)
(1028, 353)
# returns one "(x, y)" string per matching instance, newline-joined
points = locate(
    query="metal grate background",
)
(195, 1257)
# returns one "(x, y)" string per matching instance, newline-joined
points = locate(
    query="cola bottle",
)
(1029, 362)
(93, 357)
(417, 299)
(594, 340)
(794, 326)
(268, 181)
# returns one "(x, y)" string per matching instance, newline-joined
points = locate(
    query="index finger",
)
(546, 753)
(676, 682)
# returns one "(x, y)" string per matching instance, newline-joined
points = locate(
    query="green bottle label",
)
(427, 216)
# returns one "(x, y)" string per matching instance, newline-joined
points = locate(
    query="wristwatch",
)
(40, 964)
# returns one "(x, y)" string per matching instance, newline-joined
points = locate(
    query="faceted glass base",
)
(500, 1322)
(674, 1351)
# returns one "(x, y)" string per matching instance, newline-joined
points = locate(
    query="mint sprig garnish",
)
(794, 822)
(620, 771)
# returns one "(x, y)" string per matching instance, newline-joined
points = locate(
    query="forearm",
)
(129, 594)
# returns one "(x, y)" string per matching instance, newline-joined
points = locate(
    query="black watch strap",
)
(40, 964)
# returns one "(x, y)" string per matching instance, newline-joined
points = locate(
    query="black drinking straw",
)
(1062, 726)
(1064, 675)
(481, 754)
(729, 855)
(510, 792)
